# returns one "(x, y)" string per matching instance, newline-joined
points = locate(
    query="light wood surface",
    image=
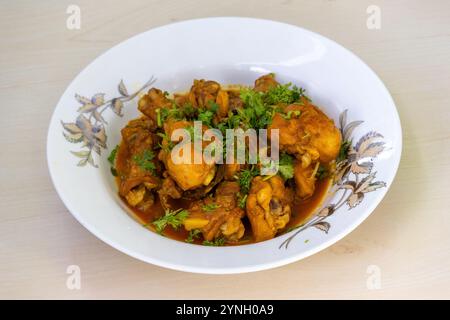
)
(407, 237)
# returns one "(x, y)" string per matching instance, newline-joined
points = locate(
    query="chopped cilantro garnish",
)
(343, 151)
(206, 116)
(290, 114)
(283, 94)
(242, 200)
(322, 172)
(193, 234)
(112, 155)
(172, 218)
(216, 242)
(210, 207)
(286, 166)
(245, 178)
(255, 114)
(144, 160)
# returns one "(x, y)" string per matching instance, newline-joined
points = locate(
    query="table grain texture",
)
(407, 238)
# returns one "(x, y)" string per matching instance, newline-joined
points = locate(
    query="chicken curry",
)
(220, 203)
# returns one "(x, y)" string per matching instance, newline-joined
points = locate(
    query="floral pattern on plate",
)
(354, 176)
(89, 126)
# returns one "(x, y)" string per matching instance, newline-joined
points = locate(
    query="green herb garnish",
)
(290, 113)
(170, 144)
(242, 200)
(172, 218)
(286, 94)
(144, 160)
(194, 133)
(215, 243)
(255, 114)
(210, 207)
(245, 178)
(343, 151)
(193, 234)
(112, 155)
(322, 172)
(286, 166)
(159, 119)
(188, 110)
(114, 172)
(205, 116)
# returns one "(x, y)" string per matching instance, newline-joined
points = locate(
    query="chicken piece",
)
(202, 92)
(202, 191)
(190, 175)
(264, 83)
(231, 170)
(223, 102)
(180, 161)
(135, 181)
(181, 99)
(268, 207)
(219, 216)
(305, 179)
(226, 194)
(137, 134)
(170, 126)
(135, 196)
(152, 101)
(310, 135)
(140, 197)
(234, 100)
(169, 190)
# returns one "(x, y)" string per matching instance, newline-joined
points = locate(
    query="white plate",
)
(228, 50)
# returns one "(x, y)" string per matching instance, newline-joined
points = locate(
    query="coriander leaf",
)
(144, 160)
(245, 178)
(114, 172)
(172, 218)
(242, 200)
(193, 234)
(290, 113)
(159, 117)
(322, 172)
(210, 207)
(205, 116)
(255, 114)
(253, 100)
(112, 155)
(286, 94)
(188, 110)
(176, 113)
(343, 151)
(169, 143)
(286, 166)
(213, 106)
(215, 243)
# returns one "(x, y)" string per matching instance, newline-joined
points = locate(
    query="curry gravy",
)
(302, 211)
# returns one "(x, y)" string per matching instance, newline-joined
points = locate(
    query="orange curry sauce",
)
(302, 211)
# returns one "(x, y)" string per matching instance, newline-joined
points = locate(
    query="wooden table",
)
(407, 238)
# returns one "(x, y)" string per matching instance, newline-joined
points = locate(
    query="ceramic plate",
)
(103, 98)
